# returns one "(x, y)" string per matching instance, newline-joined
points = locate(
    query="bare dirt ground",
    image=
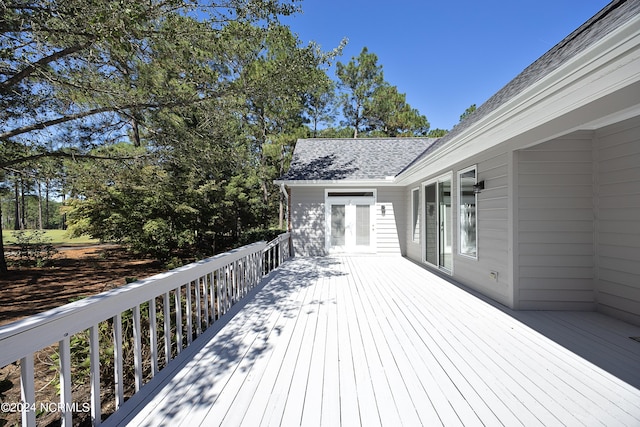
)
(75, 273)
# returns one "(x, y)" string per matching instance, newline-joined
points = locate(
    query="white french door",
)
(350, 224)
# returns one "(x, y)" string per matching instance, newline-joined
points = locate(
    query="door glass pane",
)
(337, 225)
(431, 224)
(363, 225)
(446, 229)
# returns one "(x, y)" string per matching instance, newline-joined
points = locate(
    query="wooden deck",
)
(381, 341)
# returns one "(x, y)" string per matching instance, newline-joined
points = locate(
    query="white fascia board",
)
(609, 65)
(338, 183)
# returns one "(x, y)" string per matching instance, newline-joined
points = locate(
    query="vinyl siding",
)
(555, 224)
(307, 218)
(388, 226)
(617, 152)
(307, 221)
(493, 241)
(413, 248)
(492, 214)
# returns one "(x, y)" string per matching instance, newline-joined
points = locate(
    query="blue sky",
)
(444, 56)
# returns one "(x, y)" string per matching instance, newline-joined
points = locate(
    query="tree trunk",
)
(46, 203)
(3, 261)
(16, 191)
(136, 131)
(39, 205)
(23, 213)
(64, 215)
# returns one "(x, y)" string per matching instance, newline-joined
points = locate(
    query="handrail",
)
(198, 293)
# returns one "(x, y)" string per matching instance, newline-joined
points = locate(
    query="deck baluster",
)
(198, 284)
(216, 284)
(189, 313)
(167, 327)
(94, 361)
(137, 348)
(178, 301)
(64, 348)
(117, 359)
(153, 336)
(27, 390)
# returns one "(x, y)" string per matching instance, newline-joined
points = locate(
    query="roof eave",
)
(533, 106)
(388, 181)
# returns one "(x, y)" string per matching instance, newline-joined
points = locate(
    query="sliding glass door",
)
(438, 224)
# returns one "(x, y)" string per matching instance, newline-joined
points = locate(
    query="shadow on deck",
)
(366, 341)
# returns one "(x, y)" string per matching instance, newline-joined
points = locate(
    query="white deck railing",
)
(173, 308)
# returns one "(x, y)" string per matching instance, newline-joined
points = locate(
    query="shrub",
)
(34, 249)
(259, 234)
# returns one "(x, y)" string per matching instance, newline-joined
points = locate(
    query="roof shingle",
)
(321, 159)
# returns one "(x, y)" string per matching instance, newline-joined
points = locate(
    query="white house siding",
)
(493, 217)
(493, 239)
(388, 226)
(617, 151)
(555, 224)
(307, 221)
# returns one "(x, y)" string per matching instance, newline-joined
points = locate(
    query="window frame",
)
(415, 215)
(449, 220)
(461, 188)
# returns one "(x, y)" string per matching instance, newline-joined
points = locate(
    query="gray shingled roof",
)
(609, 18)
(353, 159)
(350, 159)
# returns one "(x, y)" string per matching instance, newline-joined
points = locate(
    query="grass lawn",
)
(55, 237)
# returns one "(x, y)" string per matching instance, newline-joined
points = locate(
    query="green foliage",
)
(468, 112)
(437, 133)
(56, 237)
(260, 234)
(371, 105)
(162, 124)
(194, 177)
(359, 79)
(336, 132)
(34, 249)
(388, 113)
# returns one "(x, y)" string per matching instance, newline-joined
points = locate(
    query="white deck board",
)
(381, 341)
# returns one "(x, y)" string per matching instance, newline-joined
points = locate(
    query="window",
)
(415, 219)
(467, 203)
(350, 194)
